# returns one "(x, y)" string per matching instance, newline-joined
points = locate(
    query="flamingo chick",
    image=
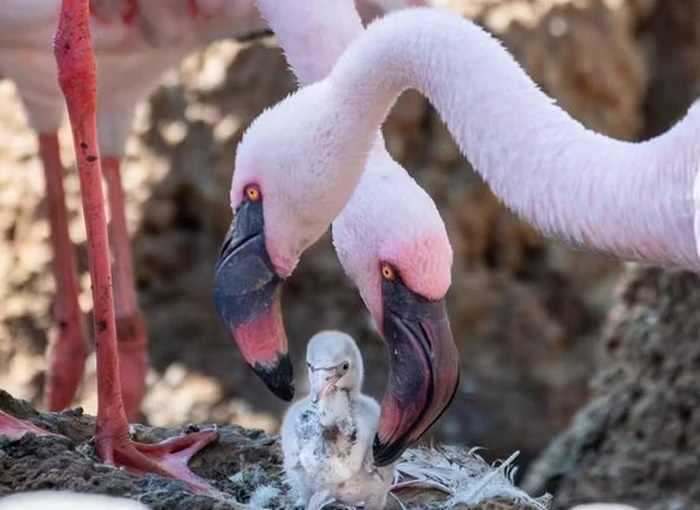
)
(391, 242)
(327, 436)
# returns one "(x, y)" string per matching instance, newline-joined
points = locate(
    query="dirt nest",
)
(245, 464)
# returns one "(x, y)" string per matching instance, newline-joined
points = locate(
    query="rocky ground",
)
(525, 312)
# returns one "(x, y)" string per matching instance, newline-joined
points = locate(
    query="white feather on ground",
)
(463, 476)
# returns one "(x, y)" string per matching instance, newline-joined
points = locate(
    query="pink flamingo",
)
(77, 74)
(303, 159)
(131, 65)
(136, 44)
(391, 242)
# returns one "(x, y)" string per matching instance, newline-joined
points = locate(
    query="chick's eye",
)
(346, 365)
(388, 272)
(252, 192)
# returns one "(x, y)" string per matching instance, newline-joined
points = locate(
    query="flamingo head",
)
(334, 363)
(392, 243)
(288, 186)
(290, 183)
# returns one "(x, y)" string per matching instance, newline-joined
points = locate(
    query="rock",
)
(670, 38)
(638, 440)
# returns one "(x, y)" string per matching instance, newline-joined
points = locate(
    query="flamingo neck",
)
(313, 34)
(633, 201)
(337, 406)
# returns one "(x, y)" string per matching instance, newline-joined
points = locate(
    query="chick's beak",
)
(247, 294)
(322, 382)
(424, 371)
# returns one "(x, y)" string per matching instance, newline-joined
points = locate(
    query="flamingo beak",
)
(247, 293)
(322, 382)
(424, 371)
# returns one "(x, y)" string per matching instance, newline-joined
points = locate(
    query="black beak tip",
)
(279, 377)
(386, 453)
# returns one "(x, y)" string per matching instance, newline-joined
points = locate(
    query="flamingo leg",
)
(131, 331)
(77, 78)
(67, 353)
(14, 428)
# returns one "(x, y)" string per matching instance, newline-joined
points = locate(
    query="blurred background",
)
(526, 312)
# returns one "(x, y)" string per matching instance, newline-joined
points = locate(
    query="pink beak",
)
(322, 382)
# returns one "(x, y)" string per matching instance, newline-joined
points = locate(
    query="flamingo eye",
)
(346, 365)
(252, 192)
(388, 272)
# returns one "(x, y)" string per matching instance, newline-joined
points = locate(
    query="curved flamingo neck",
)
(631, 200)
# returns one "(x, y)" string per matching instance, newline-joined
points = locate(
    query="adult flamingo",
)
(77, 73)
(633, 201)
(373, 245)
(136, 44)
(131, 63)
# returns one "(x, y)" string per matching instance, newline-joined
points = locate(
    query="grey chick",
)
(327, 436)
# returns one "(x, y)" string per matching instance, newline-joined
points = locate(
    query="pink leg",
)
(131, 331)
(77, 78)
(66, 357)
(14, 428)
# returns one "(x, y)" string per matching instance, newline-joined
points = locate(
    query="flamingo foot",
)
(66, 363)
(14, 428)
(133, 363)
(168, 458)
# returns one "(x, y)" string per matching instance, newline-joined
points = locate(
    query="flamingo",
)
(327, 436)
(77, 77)
(136, 44)
(425, 362)
(635, 201)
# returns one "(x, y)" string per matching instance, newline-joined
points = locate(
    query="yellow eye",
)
(253, 193)
(388, 272)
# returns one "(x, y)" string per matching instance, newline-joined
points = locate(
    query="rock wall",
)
(638, 440)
